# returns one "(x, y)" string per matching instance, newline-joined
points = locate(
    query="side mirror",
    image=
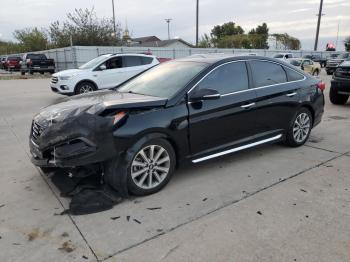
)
(102, 67)
(204, 94)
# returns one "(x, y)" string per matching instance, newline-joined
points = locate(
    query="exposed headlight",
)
(67, 77)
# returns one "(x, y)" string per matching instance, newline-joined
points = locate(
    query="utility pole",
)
(336, 43)
(197, 15)
(114, 27)
(168, 22)
(318, 24)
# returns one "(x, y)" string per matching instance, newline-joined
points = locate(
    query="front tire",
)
(300, 128)
(316, 73)
(336, 98)
(84, 87)
(329, 73)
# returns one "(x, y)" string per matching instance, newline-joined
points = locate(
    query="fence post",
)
(98, 51)
(174, 53)
(65, 58)
(56, 61)
(74, 56)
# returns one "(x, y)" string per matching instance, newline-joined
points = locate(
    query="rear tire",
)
(84, 87)
(316, 72)
(299, 128)
(336, 98)
(31, 72)
(42, 73)
(23, 73)
(329, 73)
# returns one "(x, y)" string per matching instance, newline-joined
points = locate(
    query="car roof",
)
(212, 59)
(127, 54)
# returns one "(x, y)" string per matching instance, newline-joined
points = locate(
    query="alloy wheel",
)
(86, 89)
(301, 127)
(150, 166)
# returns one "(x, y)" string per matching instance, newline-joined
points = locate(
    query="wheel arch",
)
(85, 80)
(312, 111)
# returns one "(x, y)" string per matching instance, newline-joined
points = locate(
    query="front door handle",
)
(291, 94)
(248, 105)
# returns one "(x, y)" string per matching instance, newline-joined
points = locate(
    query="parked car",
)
(306, 65)
(12, 63)
(332, 64)
(183, 111)
(105, 71)
(317, 58)
(332, 56)
(33, 63)
(283, 56)
(2, 62)
(340, 84)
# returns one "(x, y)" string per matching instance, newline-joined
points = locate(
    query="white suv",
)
(283, 56)
(105, 71)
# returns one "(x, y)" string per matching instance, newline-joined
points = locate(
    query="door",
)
(112, 73)
(218, 124)
(277, 90)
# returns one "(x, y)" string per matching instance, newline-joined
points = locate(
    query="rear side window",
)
(146, 60)
(226, 79)
(129, 61)
(293, 75)
(267, 73)
(36, 56)
(113, 63)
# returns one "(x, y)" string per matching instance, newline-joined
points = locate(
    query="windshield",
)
(94, 62)
(278, 56)
(295, 62)
(164, 80)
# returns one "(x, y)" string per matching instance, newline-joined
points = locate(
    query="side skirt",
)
(236, 149)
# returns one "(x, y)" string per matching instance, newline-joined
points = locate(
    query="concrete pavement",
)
(197, 210)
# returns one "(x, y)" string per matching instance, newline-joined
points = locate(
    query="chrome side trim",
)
(237, 149)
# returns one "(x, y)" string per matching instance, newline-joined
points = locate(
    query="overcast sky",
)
(146, 17)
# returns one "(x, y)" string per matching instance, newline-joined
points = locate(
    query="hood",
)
(69, 72)
(96, 103)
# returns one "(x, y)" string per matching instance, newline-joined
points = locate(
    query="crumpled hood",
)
(95, 103)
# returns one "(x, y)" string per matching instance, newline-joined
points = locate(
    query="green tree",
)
(347, 44)
(205, 41)
(227, 29)
(259, 37)
(32, 39)
(286, 42)
(85, 29)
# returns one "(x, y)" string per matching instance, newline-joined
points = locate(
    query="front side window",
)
(228, 78)
(267, 73)
(113, 63)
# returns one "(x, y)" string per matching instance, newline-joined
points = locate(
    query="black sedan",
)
(182, 111)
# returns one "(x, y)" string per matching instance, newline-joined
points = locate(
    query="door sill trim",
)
(237, 149)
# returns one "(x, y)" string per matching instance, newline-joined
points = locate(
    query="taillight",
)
(321, 86)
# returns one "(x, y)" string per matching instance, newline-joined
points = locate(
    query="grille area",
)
(54, 79)
(342, 72)
(36, 130)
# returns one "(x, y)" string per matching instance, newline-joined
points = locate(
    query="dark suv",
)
(340, 85)
(332, 64)
(186, 110)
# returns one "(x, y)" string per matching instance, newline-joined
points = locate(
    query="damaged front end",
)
(71, 138)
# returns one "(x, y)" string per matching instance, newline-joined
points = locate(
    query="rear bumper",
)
(341, 86)
(39, 69)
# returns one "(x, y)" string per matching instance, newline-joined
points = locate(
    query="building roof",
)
(146, 39)
(162, 43)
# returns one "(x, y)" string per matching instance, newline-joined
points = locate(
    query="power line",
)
(197, 18)
(114, 26)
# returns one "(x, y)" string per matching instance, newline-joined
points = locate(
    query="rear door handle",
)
(291, 94)
(248, 105)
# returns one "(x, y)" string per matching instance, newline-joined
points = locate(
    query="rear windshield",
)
(14, 58)
(36, 56)
(295, 62)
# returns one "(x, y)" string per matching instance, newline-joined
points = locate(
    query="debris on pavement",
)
(115, 218)
(67, 247)
(137, 221)
(33, 235)
(303, 190)
(127, 218)
(259, 212)
(65, 234)
(154, 208)
(2, 205)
